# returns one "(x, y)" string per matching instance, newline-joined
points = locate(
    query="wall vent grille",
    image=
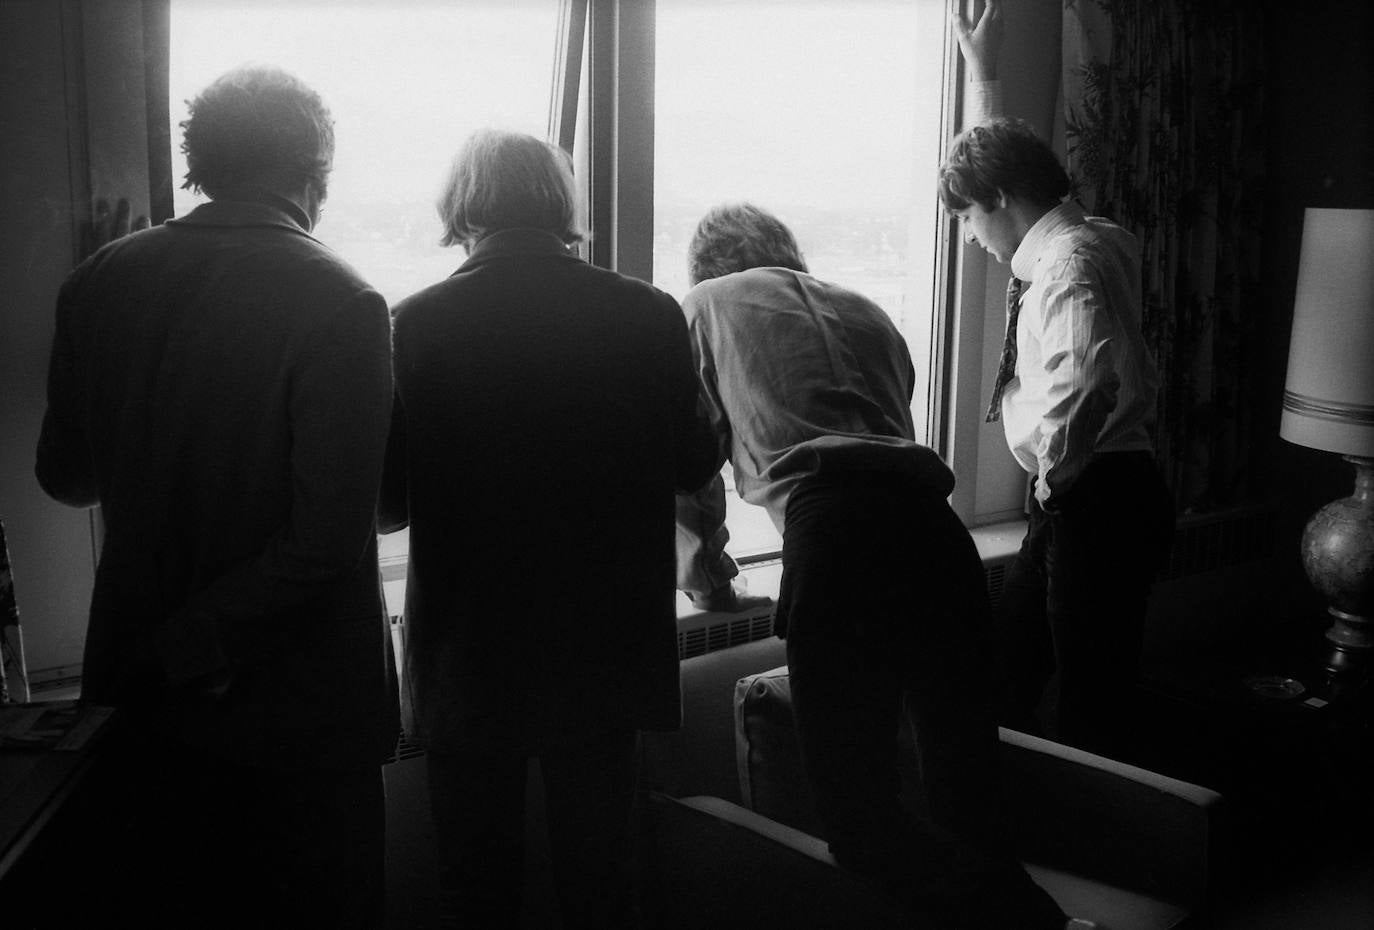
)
(996, 574)
(736, 631)
(406, 748)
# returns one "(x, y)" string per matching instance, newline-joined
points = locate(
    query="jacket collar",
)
(511, 242)
(268, 210)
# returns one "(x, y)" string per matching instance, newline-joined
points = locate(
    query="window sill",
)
(760, 579)
(998, 542)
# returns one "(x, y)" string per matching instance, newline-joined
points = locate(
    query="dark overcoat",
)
(221, 387)
(545, 417)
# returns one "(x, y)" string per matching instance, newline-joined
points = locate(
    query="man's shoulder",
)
(487, 286)
(772, 288)
(1093, 242)
(622, 289)
(1098, 231)
(749, 287)
(225, 268)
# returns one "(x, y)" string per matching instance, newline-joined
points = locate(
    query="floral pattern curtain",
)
(1162, 103)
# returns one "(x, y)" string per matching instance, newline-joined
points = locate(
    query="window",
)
(406, 83)
(827, 113)
(831, 113)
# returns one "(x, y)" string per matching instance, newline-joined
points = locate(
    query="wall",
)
(50, 545)
(75, 129)
(1320, 110)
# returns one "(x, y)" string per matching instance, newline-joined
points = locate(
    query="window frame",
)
(609, 131)
(612, 143)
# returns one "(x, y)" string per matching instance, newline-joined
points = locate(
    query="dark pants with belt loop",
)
(1074, 600)
(884, 607)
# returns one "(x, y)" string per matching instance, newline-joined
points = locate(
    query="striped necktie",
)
(1006, 366)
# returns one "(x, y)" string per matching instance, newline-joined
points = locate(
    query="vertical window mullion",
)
(567, 73)
(620, 173)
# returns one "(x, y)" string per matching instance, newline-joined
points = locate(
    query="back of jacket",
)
(546, 417)
(221, 386)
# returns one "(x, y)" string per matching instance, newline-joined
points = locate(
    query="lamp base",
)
(1338, 555)
(1352, 643)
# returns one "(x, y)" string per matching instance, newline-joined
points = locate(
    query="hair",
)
(1001, 156)
(736, 237)
(257, 124)
(509, 180)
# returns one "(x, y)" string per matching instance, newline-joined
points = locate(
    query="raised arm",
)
(980, 42)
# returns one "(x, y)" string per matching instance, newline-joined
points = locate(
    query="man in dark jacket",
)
(545, 416)
(220, 386)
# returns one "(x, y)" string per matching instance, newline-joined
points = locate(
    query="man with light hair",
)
(545, 416)
(221, 387)
(883, 603)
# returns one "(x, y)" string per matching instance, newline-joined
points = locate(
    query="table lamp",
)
(1328, 404)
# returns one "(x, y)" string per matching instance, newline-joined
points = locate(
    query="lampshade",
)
(1328, 402)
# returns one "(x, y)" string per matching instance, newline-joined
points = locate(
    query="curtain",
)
(1162, 101)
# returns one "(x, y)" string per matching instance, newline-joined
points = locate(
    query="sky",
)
(406, 81)
(810, 100)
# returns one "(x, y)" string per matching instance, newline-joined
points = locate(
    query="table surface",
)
(35, 782)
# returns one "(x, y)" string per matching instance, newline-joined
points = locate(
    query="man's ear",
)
(1002, 200)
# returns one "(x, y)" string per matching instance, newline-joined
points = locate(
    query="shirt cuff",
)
(984, 102)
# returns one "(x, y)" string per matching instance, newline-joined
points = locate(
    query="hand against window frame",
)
(980, 42)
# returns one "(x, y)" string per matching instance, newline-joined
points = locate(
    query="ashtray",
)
(1275, 687)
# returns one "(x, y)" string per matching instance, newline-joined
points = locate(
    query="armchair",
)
(1119, 845)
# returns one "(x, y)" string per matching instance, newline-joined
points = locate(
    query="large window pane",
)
(825, 112)
(406, 82)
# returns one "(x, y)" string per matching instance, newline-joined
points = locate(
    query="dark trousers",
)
(1073, 603)
(192, 840)
(885, 611)
(477, 793)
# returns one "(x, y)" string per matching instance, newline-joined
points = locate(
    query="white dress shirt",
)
(1085, 382)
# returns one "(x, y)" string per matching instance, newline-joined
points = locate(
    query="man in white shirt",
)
(808, 388)
(1076, 393)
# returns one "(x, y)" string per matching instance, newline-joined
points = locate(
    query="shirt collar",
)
(508, 242)
(1027, 258)
(267, 210)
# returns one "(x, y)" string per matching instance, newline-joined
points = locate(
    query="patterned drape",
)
(1162, 107)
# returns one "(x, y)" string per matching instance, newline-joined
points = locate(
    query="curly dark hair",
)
(256, 123)
(736, 237)
(1002, 155)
